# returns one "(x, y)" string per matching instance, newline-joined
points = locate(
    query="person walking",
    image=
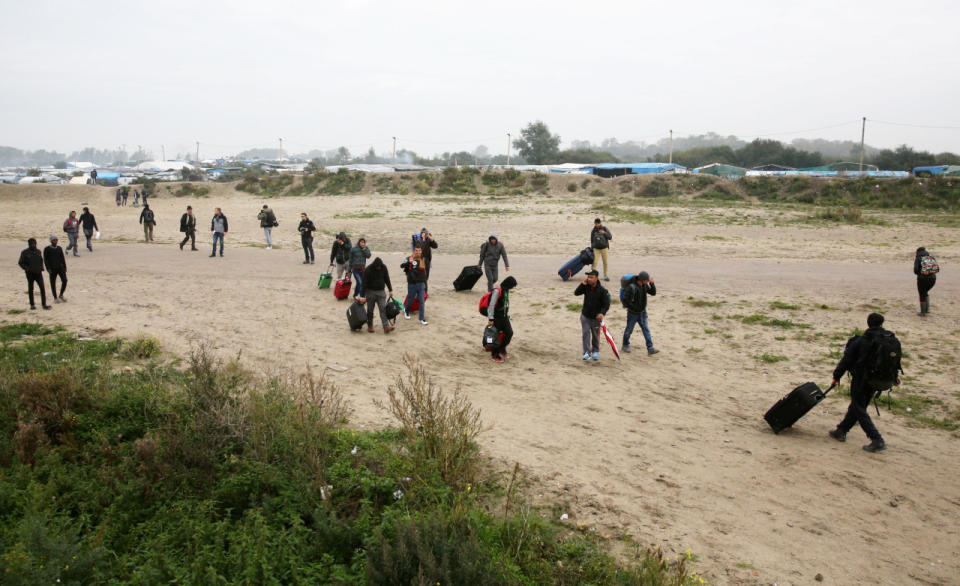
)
(93, 176)
(600, 238)
(149, 220)
(376, 290)
(498, 315)
(340, 253)
(72, 227)
(31, 261)
(188, 225)
(219, 227)
(635, 300)
(596, 303)
(56, 263)
(358, 261)
(89, 224)
(267, 221)
(119, 197)
(416, 271)
(427, 245)
(306, 229)
(925, 267)
(869, 361)
(136, 198)
(126, 194)
(490, 253)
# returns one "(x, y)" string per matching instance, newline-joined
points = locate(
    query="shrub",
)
(596, 193)
(571, 187)
(656, 188)
(141, 347)
(843, 215)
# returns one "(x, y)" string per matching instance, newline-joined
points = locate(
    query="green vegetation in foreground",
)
(212, 475)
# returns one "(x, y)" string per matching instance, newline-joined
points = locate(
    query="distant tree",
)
(903, 158)
(371, 157)
(705, 155)
(343, 155)
(314, 166)
(948, 159)
(588, 156)
(481, 154)
(60, 165)
(537, 145)
(33, 172)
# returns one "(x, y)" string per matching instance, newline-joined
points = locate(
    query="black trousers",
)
(857, 411)
(190, 235)
(924, 284)
(307, 243)
(502, 323)
(62, 273)
(38, 279)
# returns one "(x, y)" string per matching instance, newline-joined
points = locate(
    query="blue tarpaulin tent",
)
(929, 171)
(617, 169)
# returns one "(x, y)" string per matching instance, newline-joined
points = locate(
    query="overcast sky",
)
(450, 75)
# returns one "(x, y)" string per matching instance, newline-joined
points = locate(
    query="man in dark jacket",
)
(854, 360)
(925, 279)
(498, 313)
(149, 220)
(416, 271)
(600, 238)
(340, 253)
(267, 221)
(219, 227)
(427, 244)
(596, 303)
(31, 261)
(490, 253)
(635, 299)
(56, 263)
(72, 227)
(306, 229)
(188, 225)
(376, 289)
(89, 224)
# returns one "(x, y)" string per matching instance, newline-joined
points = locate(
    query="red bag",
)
(342, 289)
(485, 301)
(416, 302)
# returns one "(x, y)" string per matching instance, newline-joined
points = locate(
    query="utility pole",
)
(198, 152)
(139, 154)
(280, 158)
(671, 146)
(394, 150)
(163, 151)
(863, 132)
(508, 148)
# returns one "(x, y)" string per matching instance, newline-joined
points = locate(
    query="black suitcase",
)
(586, 255)
(356, 315)
(468, 278)
(794, 405)
(571, 268)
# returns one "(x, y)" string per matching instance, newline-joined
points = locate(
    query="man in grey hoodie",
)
(490, 253)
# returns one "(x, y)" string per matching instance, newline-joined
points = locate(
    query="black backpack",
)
(880, 362)
(148, 215)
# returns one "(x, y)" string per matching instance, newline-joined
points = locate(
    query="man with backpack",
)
(267, 221)
(874, 361)
(416, 271)
(635, 300)
(925, 267)
(188, 225)
(490, 253)
(498, 314)
(72, 227)
(340, 253)
(376, 279)
(600, 238)
(596, 303)
(149, 220)
(89, 224)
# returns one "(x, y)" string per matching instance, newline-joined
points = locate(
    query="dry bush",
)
(446, 427)
(49, 398)
(29, 439)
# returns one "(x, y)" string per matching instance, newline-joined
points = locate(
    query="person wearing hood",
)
(31, 261)
(635, 300)
(72, 227)
(377, 289)
(89, 224)
(490, 253)
(425, 242)
(267, 221)
(416, 272)
(56, 263)
(358, 260)
(149, 220)
(498, 314)
(926, 272)
(340, 253)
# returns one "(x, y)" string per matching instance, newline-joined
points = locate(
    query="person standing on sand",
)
(635, 300)
(376, 278)
(596, 303)
(267, 221)
(72, 227)
(218, 225)
(600, 238)
(56, 263)
(306, 229)
(31, 261)
(149, 220)
(925, 267)
(89, 224)
(358, 261)
(490, 253)
(188, 225)
(126, 194)
(860, 352)
(416, 271)
(340, 253)
(424, 240)
(498, 314)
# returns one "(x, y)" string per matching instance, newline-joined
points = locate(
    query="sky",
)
(452, 75)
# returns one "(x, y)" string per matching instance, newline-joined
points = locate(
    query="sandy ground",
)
(670, 449)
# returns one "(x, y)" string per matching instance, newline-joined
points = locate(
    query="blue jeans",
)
(217, 236)
(416, 291)
(632, 320)
(358, 279)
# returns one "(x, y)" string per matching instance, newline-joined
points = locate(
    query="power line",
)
(914, 125)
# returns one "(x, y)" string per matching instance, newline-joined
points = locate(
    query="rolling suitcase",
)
(342, 289)
(586, 255)
(324, 281)
(468, 278)
(415, 306)
(356, 316)
(571, 268)
(789, 409)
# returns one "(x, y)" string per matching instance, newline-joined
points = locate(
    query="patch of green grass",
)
(359, 215)
(710, 237)
(771, 358)
(16, 311)
(825, 307)
(19, 330)
(765, 320)
(702, 302)
(140, 347)
(575, 307)
(782, 305)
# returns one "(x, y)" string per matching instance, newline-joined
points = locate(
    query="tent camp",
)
(618, 169)
(722, 170)
(929, 171)
(952, 171)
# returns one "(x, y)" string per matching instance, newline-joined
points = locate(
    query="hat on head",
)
(424, 230)
(86, 209)
(593, 272)
(361, 239)
(643, 276)
(493, 237)
(508, 283)
(53, 238)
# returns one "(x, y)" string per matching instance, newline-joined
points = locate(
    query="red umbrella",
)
(609, 337)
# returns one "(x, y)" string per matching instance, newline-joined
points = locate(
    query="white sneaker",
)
(406, 315)
(423, 322)
(269, 247)
(586, 356)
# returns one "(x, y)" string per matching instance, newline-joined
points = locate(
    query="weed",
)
(596, 193)
(782, 305)
(771, 358)
(16, 311)
(141, 347)
(575, 307)
(703, 302)
(571, 187)
(20, 330)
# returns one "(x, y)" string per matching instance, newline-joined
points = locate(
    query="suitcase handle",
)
(829, 389)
